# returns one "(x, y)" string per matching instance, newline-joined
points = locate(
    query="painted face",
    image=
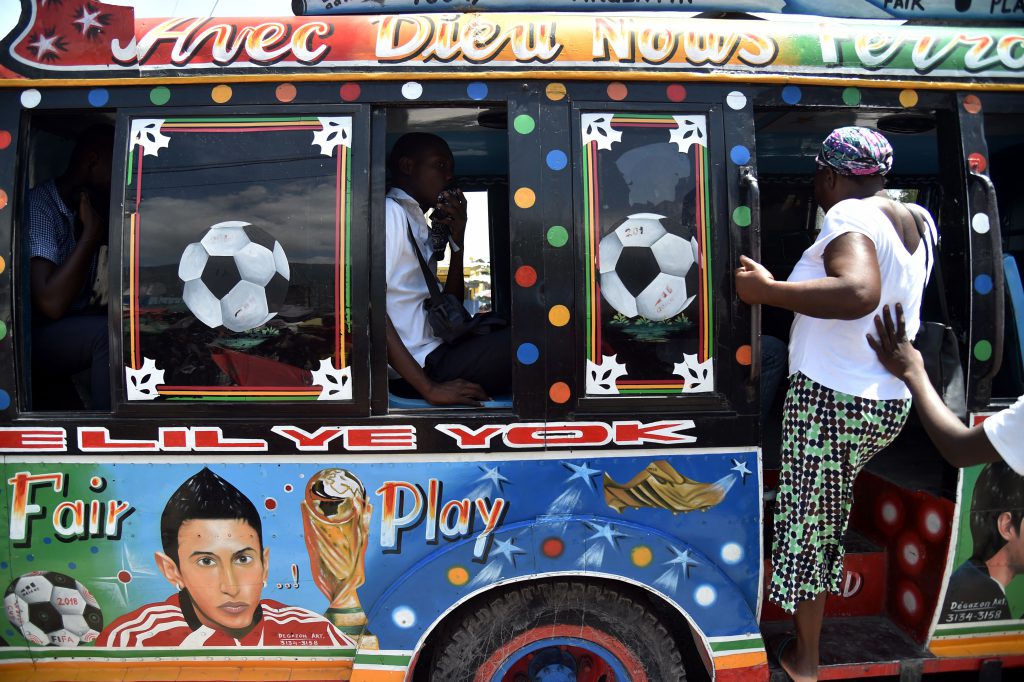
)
(223, 571)
(1015, 544)
(432, 171)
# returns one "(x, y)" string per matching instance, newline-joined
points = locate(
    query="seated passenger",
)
(65, 231)
(474, 367)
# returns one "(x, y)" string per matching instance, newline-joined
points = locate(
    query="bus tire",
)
(475, 646)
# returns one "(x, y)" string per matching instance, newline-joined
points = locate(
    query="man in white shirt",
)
(477, 366)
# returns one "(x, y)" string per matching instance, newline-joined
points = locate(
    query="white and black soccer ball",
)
(52, 609)
(644, 268)
(236, 276)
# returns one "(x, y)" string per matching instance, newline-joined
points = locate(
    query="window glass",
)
(646, 213)
(236, 258)
(476, 261)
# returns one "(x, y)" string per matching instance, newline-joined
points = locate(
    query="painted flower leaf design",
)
(141, 383)
(598, 128)
(146, 133)
(601, 378)
(337, 131)
(699, 376)
(689, 130)
(335, 384)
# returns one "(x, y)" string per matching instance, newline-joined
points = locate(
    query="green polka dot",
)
(851, 96)
(983, 350)
(558, 235)
(741, 216)
(524, 124)
(159, 95)
(3, 330)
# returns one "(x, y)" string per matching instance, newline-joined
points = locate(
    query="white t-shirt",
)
(1005, 430)
(406, 290)
(835, 353)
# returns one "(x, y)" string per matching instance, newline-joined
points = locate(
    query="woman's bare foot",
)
(796, 666)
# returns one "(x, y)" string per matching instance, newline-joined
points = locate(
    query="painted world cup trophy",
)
(336, 518)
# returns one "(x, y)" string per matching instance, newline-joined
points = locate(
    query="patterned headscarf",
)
(855, 150)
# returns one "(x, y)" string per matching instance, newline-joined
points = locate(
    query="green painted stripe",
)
(43, 653)
(647, 391)
(354, 609)
(383, 659)
(982, 629)
(244, 119)
(737, 644)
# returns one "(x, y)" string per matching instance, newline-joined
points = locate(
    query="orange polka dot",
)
(977, 162)
(743, 355)
(221, 94)
(559, 392)
(555, 91)
(908, 98)
(3, 264)
(285, 92)
(458, 576)
(525, 197)
(972, 104)
(617, 91)
(558, 315)
(3, 199)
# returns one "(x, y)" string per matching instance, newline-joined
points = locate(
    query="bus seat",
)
(1013, 285)
(399, 403)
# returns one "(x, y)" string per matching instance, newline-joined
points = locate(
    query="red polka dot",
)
(617, 91)
(124, 576)
(3, 199)
(675, 93)
(972, 104)
(552, 547)
(977, 162)
(270, 503)
(350, 92)
(743, 355)
(526, 276)
(288, 487)
(5, 139)
(285, 92)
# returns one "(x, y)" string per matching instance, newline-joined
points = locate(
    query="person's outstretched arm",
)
(961, 445)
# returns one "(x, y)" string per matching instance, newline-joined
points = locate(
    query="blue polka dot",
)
(72, 565)
(30, 557)
(98, 97)
(739, 155)
(983, 284)
(94, 550)
(791, 94)
(476, 90)
(527, 353)
(9, 633)
(557, 159)
(3, 564)
(5, 400)
(47, 541)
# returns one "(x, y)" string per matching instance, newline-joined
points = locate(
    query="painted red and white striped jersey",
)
(172, 623)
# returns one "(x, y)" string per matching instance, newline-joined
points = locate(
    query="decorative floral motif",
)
(146, 133)
(690, 130)
(337, 130)
(336, 383)
(699, 376)
(141, 383)
(598, 128)
(601, 378)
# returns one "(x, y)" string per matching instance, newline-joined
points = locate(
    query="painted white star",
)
(582, 472)
(741, 469)
(43, 45)
(494, 476)
(682, 559)
(507, 549)
(606, 531)
(88, 20)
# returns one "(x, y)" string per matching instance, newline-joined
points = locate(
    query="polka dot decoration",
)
(558, 315)
(675, 93)
(458, 576)
(908, 98)
(552, 548)
(743, 354)
(160, 95)
(527, 353)
(972, 105)
(791, 94)
(3, 330)
(524, 124)
(983, 351)
(3, 199)
(852, 96)
(555, 92)
(641, 556)
(221, 94)
(30, 99)
(980, 223)
(736, 100)
(285, 92)
(741, 216)
(5, 139)
(983, 284)
(3, 264)
(617, 91)
(557, 160)
(5, 399)
(526, 276)
(525, 197)
(476, 90)
(412, 90)
(350, 92)
(559, 392)
(98, 97)
(977, 162)
(739, 155)
(558, 236)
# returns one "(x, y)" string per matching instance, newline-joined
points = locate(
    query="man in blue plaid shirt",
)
(65, 233)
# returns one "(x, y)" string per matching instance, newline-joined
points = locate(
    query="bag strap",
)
(433, 288)
(936, 262)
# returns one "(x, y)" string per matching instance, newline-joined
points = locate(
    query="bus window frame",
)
(358, 406)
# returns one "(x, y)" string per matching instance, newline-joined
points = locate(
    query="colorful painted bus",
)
(257, 505)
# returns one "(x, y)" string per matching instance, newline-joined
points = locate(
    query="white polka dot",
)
(910, 601)
(736, 100)
(31, 98)
(980, 223)
(404, 617)
(732, 553)
(705, 595)
(911, 554)
(412, 90)
(933, 523)
(889, 513)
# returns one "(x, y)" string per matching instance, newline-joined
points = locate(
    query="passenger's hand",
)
(752, 281)
(92, 224)
(452, 212)
(456, 392)
(896, 353)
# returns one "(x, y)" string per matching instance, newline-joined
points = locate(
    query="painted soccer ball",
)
(50, 608)
(644, 268)
(236, 276)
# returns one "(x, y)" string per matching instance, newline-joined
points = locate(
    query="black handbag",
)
(937, 341)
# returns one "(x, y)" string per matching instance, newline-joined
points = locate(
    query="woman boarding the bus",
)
(842, 406)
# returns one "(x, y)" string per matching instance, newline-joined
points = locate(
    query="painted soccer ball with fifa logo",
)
(644, 268)
(52, 609)
(236, 276)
